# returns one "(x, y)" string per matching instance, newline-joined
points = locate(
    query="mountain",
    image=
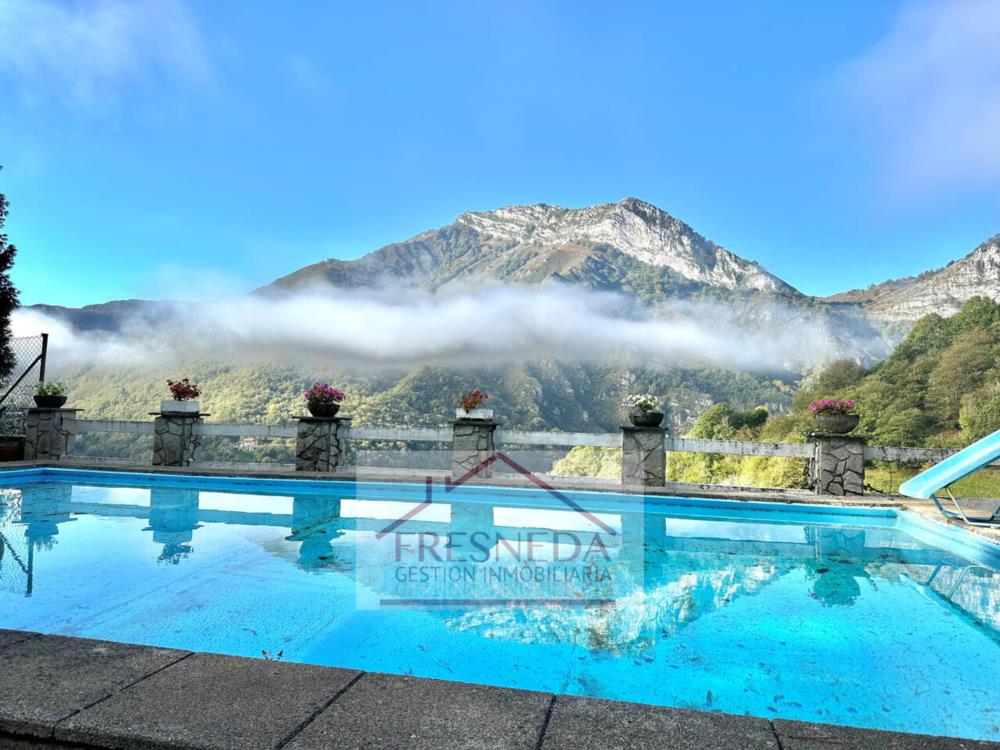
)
(629, 246)
(902, 302)
(108, 317)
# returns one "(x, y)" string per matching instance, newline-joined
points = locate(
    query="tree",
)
(839, 374)
(961, 369)
(833, 381)
(8, 294)
(980, 413)
(976, 312)
(719, 422)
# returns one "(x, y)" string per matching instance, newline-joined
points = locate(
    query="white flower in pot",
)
(641, 410)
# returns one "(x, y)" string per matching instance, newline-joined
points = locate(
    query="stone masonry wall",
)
(644, 460)
(839, 466)
(48, 434)
(174, 441)
(472, 446)
(320, 443)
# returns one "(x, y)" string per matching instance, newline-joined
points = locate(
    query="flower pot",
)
(322, 408)
(836, 424)
(474, 414)
(641, 418)
(50, 402)
(173, 406)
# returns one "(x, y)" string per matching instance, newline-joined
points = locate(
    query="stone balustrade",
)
(837, 462)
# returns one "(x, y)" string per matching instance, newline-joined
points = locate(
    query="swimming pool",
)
(867, 617)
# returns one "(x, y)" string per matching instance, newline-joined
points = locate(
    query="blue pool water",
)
(864, 617)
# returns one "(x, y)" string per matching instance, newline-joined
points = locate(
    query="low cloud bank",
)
(462, 327)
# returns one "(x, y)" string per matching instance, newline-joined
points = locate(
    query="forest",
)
(940, 387)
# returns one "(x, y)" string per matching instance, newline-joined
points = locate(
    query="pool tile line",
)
(299, 729)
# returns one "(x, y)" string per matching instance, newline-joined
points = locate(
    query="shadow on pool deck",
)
(61, 692)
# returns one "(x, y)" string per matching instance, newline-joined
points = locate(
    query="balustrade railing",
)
(836, 462)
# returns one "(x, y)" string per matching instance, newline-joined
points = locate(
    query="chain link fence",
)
(15, 555)
(20, 385)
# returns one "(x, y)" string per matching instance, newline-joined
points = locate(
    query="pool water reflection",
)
(846, 619)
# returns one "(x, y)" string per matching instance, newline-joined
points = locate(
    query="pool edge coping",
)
(714, 729)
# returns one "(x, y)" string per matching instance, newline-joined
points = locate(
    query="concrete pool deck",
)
(63, 692)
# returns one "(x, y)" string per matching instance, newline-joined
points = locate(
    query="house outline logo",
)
(450, 485)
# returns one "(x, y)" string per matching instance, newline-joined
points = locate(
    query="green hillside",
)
(542, 396)
(940, 387)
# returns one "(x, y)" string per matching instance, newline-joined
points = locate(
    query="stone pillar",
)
(173, 519)
(839, 465)
(644, 457)
(49, 434)
(317, 524)
(321, 443)
(468, 519)
(174, 441)
(43, 508)
(643, 537)
(472, 447)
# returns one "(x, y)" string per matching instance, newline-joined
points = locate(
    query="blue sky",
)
(190, 149)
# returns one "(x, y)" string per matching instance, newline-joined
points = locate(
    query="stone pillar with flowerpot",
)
(321, 438)
(321, 444)
(838, 464)
(473, 447)
(49, 433)
(644, 458)
(174, 428)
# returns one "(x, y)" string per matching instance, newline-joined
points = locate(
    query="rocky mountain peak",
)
(944, 291)
(632, 226)
(989, 251)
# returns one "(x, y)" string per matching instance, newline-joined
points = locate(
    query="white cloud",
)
(931, 90)
(82, 53)
(488, 326)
